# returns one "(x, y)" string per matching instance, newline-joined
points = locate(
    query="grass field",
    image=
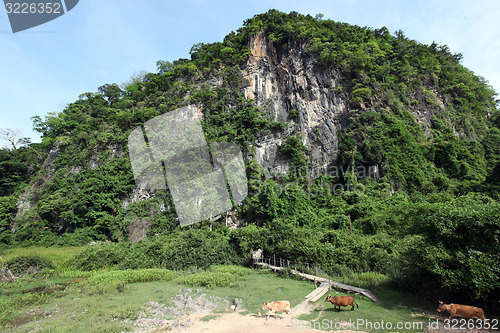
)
(74, 310)
(116, 301)
(57, 255)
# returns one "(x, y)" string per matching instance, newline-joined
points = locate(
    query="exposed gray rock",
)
(27, 200)
(281, 81)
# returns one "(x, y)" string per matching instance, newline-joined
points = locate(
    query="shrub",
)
(100, 256)
(30, 264)
(190, 248)
(294, 113)
(208, 279)
(116, 280)
(457, 250)
(230, 269)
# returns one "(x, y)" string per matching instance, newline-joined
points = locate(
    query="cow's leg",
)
(453, 314)
(352, 308)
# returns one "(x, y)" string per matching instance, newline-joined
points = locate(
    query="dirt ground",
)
(235, 322)
(195, 315)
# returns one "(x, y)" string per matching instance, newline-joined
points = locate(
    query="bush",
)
(29, 264)
(116, 280)
(230, 269)
(100, 256)
(208, 279)
(190, 248)
(457, 251)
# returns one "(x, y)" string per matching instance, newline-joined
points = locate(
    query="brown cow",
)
(464, 311)
(276, 306)
(341, 301)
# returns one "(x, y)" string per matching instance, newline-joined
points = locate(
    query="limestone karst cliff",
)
(297, 94)
(282, 81)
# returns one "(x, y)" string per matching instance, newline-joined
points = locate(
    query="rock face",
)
(283, 80)
(26, 201)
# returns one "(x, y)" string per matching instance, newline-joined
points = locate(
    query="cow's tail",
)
(356, 303)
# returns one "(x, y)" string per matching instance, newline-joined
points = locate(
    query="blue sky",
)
(106, 41)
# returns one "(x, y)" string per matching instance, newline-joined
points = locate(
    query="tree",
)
(11, 136)
(135, 78)
(39, 125)
(26, 142)
(111, 91)
(164, 66)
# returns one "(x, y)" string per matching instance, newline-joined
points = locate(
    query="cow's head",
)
(441, 307)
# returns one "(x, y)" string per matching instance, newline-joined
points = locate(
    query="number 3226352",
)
(470, 324)
(33, 8)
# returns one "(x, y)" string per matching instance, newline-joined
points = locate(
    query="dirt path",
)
(235, 322)
(202, 319)
(303, 308)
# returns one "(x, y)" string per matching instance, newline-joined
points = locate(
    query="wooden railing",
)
(298, 268)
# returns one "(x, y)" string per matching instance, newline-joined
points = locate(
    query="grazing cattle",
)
(464, 311)
(341, 301)
(276, 306)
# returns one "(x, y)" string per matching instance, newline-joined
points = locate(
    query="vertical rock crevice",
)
(282, 80)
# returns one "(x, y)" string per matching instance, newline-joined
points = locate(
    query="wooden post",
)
(329, 284)
(315, 283)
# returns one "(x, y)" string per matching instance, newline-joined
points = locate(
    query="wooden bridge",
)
(325, 284)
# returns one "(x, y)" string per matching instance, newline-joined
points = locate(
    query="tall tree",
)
(10, 136)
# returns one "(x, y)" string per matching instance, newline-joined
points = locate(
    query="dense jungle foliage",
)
(429, 220)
